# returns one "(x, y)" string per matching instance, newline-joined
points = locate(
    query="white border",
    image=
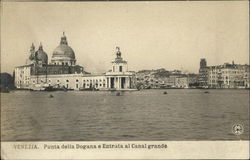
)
(174, 150)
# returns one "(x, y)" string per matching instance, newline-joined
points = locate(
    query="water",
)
(182, 114)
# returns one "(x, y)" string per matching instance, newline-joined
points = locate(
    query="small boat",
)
(37, 87)
(112, 89)
(165, 92)
(88, 89)
(54, 88)
(118, 94)
(206, 92)
(50, 88)
(51, 96)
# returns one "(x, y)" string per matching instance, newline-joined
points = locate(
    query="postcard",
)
(124, 80)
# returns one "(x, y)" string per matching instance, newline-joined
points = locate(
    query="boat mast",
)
(46, 73)
(36, 68)
(36, 73)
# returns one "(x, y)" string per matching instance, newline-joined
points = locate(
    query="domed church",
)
(63, 60)
(63, 54)
(63, 72)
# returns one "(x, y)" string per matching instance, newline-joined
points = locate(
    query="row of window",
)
(93, 80)
(76, 80)
(84, 85)
(235, 72)
(20, 82)
(62, 63)
(87, 85)
(212, 81)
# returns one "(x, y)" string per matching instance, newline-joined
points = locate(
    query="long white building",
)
(63, 72)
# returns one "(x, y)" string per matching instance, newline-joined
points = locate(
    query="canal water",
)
(148, 115)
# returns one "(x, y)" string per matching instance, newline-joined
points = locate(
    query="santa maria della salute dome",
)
(63, 72)
(63, 54)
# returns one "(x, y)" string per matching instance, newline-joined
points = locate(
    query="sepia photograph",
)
(137, 71)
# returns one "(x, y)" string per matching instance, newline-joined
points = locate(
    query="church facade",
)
(63, 72)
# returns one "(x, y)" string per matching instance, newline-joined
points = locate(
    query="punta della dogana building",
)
(63, 71)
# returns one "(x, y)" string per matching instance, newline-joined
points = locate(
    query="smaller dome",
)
(41, 56)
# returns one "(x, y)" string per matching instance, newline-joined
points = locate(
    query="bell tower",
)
(203, 63)
(31, 57)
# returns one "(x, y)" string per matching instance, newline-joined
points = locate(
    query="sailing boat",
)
(37, 87)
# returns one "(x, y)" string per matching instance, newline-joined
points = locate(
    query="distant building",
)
(203, 73)
(224, 76)
(182, 82)
(63, 71)
(246, 77)
(193, 80)
(162, 78)
(220, 76)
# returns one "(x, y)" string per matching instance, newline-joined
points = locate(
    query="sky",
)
(151, 35)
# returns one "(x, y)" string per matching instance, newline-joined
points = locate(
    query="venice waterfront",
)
(182, 114)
